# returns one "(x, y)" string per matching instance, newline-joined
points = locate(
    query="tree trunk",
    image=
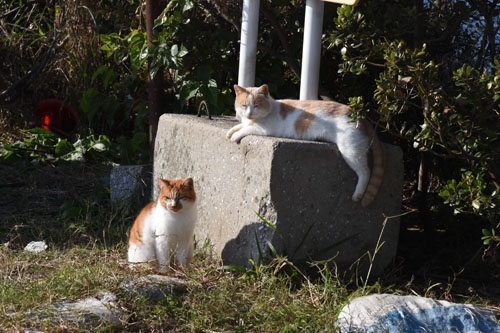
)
(155, 87)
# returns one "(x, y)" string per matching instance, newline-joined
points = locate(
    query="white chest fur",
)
(166, 235)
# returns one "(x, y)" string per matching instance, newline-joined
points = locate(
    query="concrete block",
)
(302, 188)
(131, 182)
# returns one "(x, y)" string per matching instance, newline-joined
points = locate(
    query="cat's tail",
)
(378, 168)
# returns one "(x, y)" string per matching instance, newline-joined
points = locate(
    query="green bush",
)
(417, 98)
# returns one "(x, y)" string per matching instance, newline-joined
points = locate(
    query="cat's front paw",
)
(237, 137)
(233, 130)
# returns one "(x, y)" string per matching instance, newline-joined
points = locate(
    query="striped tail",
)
(377, 173)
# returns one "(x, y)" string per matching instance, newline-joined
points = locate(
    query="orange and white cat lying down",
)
(313, 120)
(164, 228)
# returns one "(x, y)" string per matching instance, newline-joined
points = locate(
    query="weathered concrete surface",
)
(303, 188)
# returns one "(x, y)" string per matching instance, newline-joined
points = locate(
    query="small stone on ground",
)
(36, 247)
(154, 287)
(103, 306)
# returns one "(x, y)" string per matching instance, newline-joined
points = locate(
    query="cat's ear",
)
(188, 183)
(263, 89)
(238, 89)
(163, 182)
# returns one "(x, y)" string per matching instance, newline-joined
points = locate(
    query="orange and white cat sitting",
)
(313, 120)
(164, 228)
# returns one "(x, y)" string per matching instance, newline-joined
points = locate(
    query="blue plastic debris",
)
(410, 314)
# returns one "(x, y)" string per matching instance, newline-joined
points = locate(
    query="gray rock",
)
(131, 181)
(302, 188)
(103, 307)
(36, 247)
(89, 311)
(154, 287)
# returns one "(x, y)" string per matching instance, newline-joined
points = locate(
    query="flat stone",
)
(103, 307)
(154, 287)
(302, 188)
(90, 311)
(131, 181)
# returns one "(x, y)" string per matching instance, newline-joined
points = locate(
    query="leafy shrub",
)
(166, 54)
(454, 116)
(45, 146)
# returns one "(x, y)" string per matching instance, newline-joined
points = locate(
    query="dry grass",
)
(26, 37)
(32, 283)
(9, 132)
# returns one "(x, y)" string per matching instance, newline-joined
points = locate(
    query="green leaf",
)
(98, 72)
(444, 194)
(273, 249)
(476, 204)
(183, 51)
(486, 232)
(188, 4)
(41, 131)
(174, 51)
(187, 92)
(63, 147)
(210, 94)
(107, 77)
(99, 147)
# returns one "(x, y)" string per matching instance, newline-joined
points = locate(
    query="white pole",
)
(311, 50)
(248, 46)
